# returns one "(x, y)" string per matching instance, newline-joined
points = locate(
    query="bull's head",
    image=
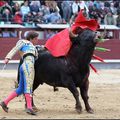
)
(83, 37)
(98, 36)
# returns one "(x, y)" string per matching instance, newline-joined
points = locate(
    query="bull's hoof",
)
(56, 89)
(91, 111)
(79, 109)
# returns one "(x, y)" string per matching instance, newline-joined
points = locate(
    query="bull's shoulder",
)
(40, 48)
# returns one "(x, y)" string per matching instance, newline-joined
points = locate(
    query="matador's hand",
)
(6, 60)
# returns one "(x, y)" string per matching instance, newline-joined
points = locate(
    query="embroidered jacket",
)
(23, 47)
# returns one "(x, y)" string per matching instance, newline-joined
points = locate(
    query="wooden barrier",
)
(7, 43)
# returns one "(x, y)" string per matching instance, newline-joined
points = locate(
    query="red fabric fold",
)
(59, 45)
(80, 17)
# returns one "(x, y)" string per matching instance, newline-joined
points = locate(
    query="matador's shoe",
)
(30, 111)
(4, 106)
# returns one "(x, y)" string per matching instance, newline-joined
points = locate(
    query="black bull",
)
(71, 71)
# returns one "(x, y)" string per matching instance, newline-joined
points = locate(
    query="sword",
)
(3, 68)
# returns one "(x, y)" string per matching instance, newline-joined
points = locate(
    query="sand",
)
(104, 98)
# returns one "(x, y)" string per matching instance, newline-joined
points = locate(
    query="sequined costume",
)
(28, 53)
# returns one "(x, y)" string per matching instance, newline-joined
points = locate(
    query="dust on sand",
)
(104, 98)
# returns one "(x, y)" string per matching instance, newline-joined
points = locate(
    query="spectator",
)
(36, 18)
(10, 2)
(101, 15)
(6, 6)
(25, 9)
(59, 2)
(67, 11)
(109, 35)
(5, 33)
(109, 19)
(116, 4)
(17, 18)
(34, 6)
(16, 8)
(45, 9)
(75, 7)
(23, 1)
(93, 12)
(107, 4)
(2, 3)
(53, 6)
(53, 18)
(46, 12)
(83, 5)
(13, 34)
(0, 17)
(89, 3)
(6, 16)
(97, 4)
(49, 34)
(102, 5)
(118, 8)
(72, 19)
(28, 18)
(0, 33)
(39, 18)
(112, 8)
(118, 20)
(42, 2)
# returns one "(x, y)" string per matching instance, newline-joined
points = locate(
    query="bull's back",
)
(48, 69)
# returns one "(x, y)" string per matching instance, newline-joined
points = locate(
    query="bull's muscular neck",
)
(81, 56)
(86, 55)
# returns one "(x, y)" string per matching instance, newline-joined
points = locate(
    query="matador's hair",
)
(31, 35)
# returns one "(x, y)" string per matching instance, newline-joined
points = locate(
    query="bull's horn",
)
(72, 34)
(104, 33)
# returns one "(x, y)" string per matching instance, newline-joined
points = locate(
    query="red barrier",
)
(114, 46)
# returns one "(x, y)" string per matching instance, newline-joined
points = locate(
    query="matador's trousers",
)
(26, 75)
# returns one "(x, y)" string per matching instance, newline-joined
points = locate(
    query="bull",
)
(70, 71)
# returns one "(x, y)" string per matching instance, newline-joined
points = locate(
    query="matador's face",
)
(35, 41)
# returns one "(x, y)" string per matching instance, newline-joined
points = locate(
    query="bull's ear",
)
(71, 34)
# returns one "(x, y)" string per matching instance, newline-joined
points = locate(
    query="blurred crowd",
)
(58, 11)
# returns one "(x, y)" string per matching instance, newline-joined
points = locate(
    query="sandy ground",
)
(104, 98)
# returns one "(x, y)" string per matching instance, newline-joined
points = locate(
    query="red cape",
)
(60, 44)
